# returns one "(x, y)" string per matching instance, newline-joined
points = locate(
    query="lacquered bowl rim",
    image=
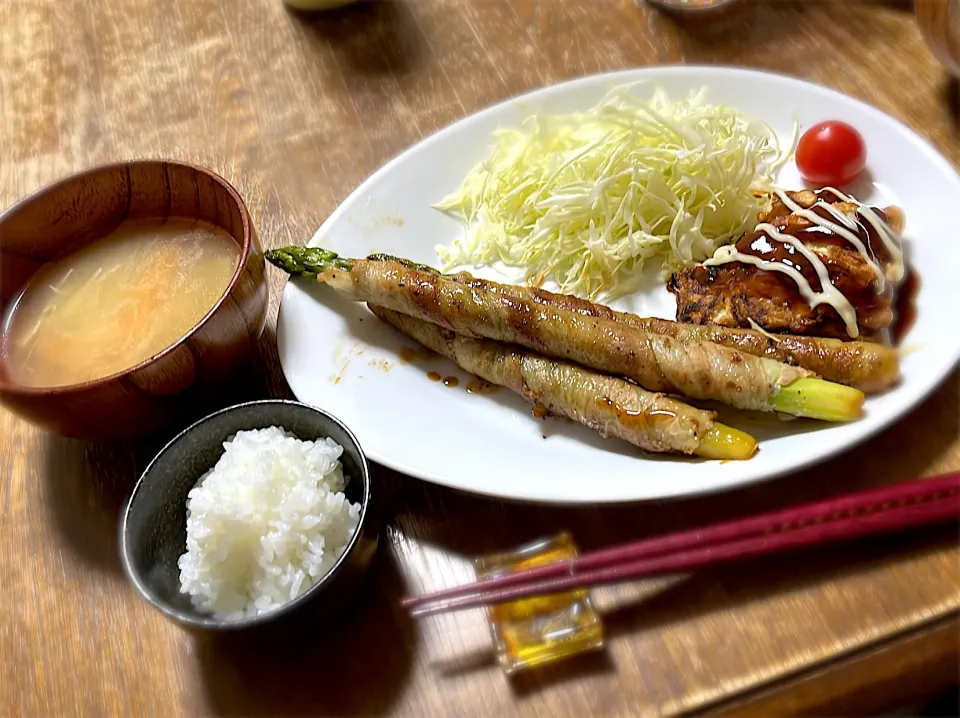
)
(210, 623)
(10, 387)
(675, 6)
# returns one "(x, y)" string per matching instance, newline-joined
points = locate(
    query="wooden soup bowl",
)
(166, 388)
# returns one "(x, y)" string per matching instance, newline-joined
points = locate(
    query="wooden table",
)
(296, 112)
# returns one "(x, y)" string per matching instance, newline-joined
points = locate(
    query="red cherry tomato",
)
(831, 153)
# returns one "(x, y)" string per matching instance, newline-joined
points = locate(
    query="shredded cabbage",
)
(585, 200)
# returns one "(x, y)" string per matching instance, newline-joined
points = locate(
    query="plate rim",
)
(933, 381)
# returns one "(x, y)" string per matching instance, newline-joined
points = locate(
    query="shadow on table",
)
(906, 450)
(951, 93)
(716, 589)
(357, 666)
(527, 681)
(532, 681)
(438, 517)
(87, 484)
(373, 37)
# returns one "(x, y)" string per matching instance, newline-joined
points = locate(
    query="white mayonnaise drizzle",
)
(836, 229)
(844, 227)
(829, 294)
(891, 240)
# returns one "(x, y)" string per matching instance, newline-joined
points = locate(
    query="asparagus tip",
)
(725, 442)
(819, 399)
(307, 262)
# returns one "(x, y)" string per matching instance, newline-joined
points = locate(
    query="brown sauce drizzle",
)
(479, 386)
(636, 420)
(433, 376)
(409, 355)
(786, 243)
(761, 244)
(906, 309)
(450, 381)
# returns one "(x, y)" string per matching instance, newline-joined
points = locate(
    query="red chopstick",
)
(897, 507)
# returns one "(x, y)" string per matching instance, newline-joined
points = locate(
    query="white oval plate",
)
(337, 356)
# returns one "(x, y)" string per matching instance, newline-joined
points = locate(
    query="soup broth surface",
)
(117, 302)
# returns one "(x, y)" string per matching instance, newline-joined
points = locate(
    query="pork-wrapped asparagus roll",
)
(612, 406)
(700, 370)
(867, 366)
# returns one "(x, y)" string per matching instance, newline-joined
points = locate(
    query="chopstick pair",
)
(906, 505)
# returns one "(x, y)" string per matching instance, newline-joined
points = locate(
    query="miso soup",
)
(117, 302)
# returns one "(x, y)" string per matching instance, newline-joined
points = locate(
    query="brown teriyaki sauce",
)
(479, 386)
(905, 314)
(761, 244)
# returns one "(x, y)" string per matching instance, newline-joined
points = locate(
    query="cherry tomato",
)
(831, 153)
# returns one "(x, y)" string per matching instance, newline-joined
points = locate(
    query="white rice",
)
(265, 523)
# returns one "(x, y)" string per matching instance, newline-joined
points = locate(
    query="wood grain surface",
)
(296, 111)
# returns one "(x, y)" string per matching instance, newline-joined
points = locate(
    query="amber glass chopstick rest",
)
(533, 631)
